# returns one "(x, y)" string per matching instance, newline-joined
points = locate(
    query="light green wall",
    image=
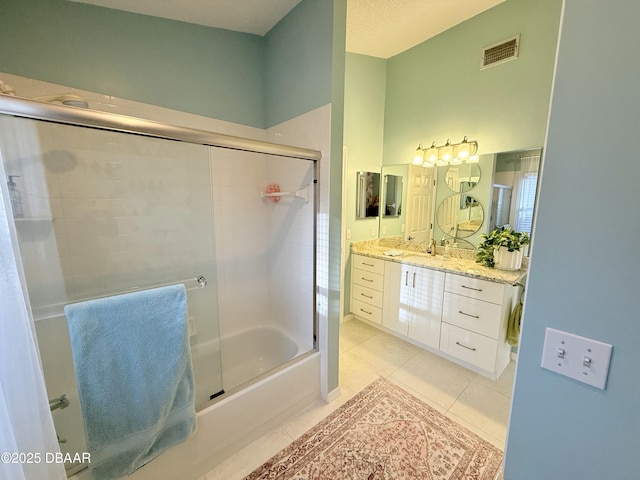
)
(436, 90)
(581, 281)
(299, 61)
(201, 70)
(335, 187)
(365, 81)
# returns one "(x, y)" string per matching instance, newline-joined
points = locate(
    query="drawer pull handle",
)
(468, 314)
(414, 279)
(367, 296)
(471, 288)
(465, 346)
(406, 278)
(369, 313)
(368, 264)
(367, 279)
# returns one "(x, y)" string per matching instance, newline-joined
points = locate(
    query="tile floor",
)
(480, 404)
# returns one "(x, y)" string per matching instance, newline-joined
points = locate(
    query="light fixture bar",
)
(447, 154)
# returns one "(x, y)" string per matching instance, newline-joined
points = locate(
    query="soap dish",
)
(393, 253)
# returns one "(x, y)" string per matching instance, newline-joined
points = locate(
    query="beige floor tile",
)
(484, 408)
(435, 378)
(385, 352)
(504, 384)
(353, 332)
(355, 374)
(251, 457)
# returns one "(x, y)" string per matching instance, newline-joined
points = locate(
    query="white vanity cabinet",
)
(474, 322)
(413, 302)
(461, 318)
(367, 282)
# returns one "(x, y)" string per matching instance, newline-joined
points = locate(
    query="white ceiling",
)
(380, 28)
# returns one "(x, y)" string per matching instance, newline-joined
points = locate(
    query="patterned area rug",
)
(384, 433)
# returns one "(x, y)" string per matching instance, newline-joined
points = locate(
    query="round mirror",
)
(460, 215)
(462, 178)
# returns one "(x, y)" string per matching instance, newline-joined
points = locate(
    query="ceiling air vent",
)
(500, 52)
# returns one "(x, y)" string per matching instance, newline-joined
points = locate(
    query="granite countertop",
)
(460, 261)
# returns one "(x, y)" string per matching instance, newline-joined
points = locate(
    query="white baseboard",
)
(332, 395)
(347, 317)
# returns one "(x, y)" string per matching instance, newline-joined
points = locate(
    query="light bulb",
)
(464, 149)
(418, 157)
(446, 152)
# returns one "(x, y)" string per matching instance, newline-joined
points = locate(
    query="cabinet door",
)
(426, 305)
(394, 313)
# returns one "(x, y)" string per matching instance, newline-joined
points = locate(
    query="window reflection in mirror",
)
(515, 183)
(368, 195)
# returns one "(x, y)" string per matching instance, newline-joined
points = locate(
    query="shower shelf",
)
(302, 193)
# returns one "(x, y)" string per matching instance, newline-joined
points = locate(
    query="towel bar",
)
(57, 309)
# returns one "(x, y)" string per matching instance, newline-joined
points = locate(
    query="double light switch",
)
(580, 358)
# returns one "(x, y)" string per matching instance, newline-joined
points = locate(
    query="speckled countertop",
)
(460, 261)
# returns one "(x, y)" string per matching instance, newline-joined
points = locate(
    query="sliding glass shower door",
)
(100, 213)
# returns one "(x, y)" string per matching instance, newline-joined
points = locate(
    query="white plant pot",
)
(506, 260)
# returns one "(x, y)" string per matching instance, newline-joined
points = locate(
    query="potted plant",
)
(502, 249)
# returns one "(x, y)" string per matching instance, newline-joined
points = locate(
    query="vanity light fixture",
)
(454, 154)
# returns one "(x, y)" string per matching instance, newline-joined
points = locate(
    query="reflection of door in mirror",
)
(420, 197)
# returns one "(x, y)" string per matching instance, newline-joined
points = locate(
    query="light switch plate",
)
(580, 358)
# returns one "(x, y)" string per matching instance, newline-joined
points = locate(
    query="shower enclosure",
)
(111, 204)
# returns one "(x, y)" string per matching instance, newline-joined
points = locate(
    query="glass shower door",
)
(103, 213)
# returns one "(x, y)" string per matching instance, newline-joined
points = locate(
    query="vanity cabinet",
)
(413, 302)
(464, 319)
(367, 283)
(474, 321)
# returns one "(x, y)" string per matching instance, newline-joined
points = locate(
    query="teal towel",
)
(133, 370)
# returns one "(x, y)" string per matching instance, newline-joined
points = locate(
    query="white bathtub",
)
(246, 414)
(251, 353)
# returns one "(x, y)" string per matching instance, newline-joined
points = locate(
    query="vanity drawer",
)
(475, 315)
(368, 264)
(474, 288)
(367, 279)
(364, 310)
(367, 295)
(469, 346)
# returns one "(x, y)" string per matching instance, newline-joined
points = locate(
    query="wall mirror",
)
(392, 195)
(368, 194)
(460, 215)
(462, 178)
(514, 190)
(504, 193)
(394, 199)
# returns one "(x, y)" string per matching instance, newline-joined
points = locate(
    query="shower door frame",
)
(76, 116)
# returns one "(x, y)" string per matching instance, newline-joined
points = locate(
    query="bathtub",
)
(245, 412)
(252, 353)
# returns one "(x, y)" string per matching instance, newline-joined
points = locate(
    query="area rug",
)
(384, 433)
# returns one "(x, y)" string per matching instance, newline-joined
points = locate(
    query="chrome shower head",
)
(69, 99)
